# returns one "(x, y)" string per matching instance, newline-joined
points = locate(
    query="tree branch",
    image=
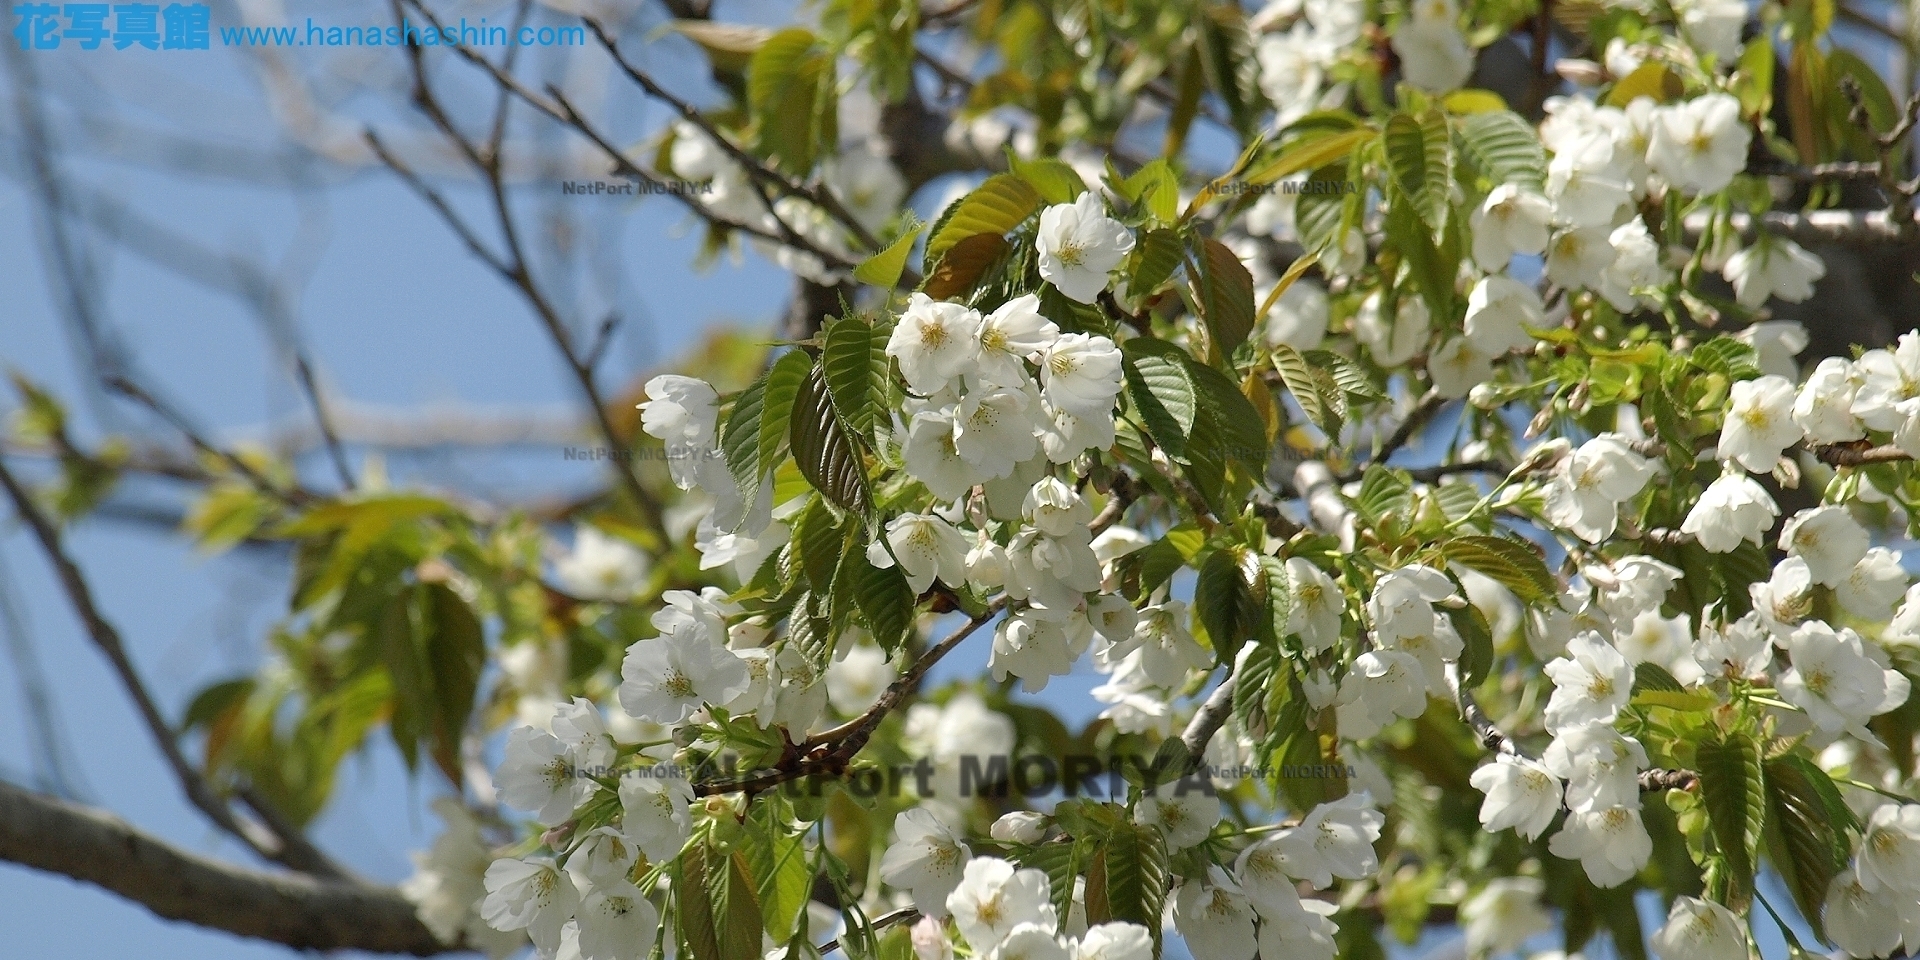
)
(299, 911)
(831, 750)
(284, 846)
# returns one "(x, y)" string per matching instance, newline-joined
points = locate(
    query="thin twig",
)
(133, 391)
(830, 751)
(289, 848)
(902, 915)
(1422, 411)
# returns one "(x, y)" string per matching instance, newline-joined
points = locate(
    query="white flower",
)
(1521, 793)
(1499, 311)
(601, 567)
(655, 811)
(1731, 511)
(1785, 598)
(1512, 220)
(866, 182)
(1135, 703)
(1601, 766)
(1457, 367)
(1393, 342)
(993, 898)
(1215, 919)
(1504, 914)
(1020, 826)
(1636, 267)
(1081, 374)
(1588, 186)
(616, 923)
(1434, 55)
(1035, 649)
(1828, 539)
(1165, 647)
(1777, 342)
(1589, 485)
(1291, 71)
(1056, 509)
(1315, 605)
(1114, 941)
(935, 342)
(1334, 840)
(1402, 602)
(1079, 245)
(993, 430)
(1579, 256)
(1824, 408)
(1740, 649)
(1875, 585)
(1299, 318)
(1012, 335)
(856, 680)
(926, 859)
(1905, 628)
(1862, 922)
(684, 413)
(1382, 685)
(447, 884)
(1713, 26)
(1590, 685)
(1836, 682)
(694, 155)
(1187, 816)
(666, 678)
(1699, 929)
(1261, 874)
(531, 894)
(1031, 941)
(927, 547)
(1773, 267)
(1306, 934)
(1699, 145)
(538, 776)
(932, 456)
(1611, 844)
(1631, 586)
(1889, 853)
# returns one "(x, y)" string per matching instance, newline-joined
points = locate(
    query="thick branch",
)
(301, 912)
(289, 848)
(1857, 454)
(1860, 228)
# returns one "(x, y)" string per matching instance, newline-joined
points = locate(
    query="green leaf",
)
(821, 540)
(1220, 598)
(1509, 562)
(1733, 790)
(740, 436)
(1062, 861)
(963, 265)
(855, 362)
(1157, 188)
(1505, 148)
(1806, 817)
(1225, 296)
(1127, 880)
(785, 77)
(1252, 682)
(1311, 153)
(883, 269)
(1406, 150)
(1155, 259)
(995, 207)
(776, 408)
(1161, 389)
(1307, 391)
(1054, 180)
(824, 452)
(1650, 79)
(455, 648)
(1476, 638)
(1229, 415)
(884, 598)
(228, 514)
(778, 864)
(719, 916)
(1433, 272)
(1726, 356)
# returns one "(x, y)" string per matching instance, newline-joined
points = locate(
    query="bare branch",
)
(290, 848)
(1857, 454)
(299, 911)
